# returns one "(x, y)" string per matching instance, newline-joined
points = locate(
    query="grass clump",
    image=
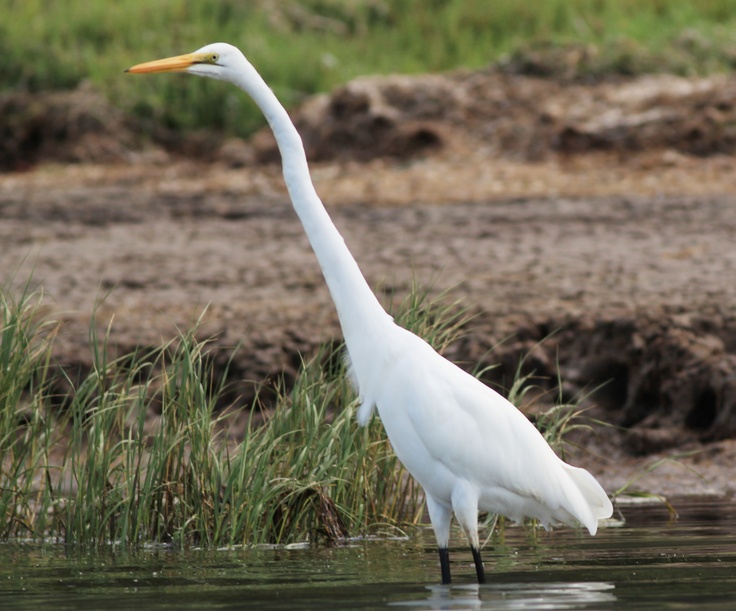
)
(141, 451)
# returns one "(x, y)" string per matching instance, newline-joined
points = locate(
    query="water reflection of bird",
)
(466, 445)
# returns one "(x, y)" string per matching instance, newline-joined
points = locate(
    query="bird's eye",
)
(214, 57)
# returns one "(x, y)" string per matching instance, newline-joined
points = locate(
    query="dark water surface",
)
(649, 562)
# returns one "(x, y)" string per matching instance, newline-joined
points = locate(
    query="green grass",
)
(98, 471)
(142, 451)
(313, 45)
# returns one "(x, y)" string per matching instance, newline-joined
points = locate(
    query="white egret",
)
(468, 447)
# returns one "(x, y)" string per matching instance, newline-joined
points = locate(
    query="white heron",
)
(468, 447)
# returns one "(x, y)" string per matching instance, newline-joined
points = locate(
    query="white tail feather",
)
(597, 505)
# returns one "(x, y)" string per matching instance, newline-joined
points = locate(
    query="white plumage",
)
(468, 447)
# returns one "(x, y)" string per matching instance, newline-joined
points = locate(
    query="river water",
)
(649, 560)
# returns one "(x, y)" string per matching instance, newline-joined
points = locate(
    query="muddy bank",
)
(623, 262)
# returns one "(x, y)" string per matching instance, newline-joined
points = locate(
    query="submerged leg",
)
(445, 565)
(465, 506)
(440, 516)
(479, 570)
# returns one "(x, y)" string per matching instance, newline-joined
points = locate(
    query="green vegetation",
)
(141, 450)
(302, 47)
(96, 470)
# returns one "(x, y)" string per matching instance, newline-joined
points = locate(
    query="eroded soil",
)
(620, 244)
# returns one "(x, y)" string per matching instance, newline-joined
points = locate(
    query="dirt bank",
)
(621, 246)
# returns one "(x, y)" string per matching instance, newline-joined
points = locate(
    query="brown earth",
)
(598, 218)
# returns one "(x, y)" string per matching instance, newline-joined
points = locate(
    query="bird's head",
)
(218, 60)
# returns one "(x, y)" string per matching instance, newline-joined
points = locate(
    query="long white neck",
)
(358, 308)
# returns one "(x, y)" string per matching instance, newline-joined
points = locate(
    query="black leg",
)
(445, 565)
(478, 565)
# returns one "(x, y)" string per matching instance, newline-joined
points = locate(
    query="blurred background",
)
(308, 46)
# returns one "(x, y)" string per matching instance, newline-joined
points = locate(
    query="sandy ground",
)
(578, 242)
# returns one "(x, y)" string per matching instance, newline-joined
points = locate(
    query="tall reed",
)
(26, 429)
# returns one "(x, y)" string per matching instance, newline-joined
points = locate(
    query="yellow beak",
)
(171, 64)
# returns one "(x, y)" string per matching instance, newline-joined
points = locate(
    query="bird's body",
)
(468, 447)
